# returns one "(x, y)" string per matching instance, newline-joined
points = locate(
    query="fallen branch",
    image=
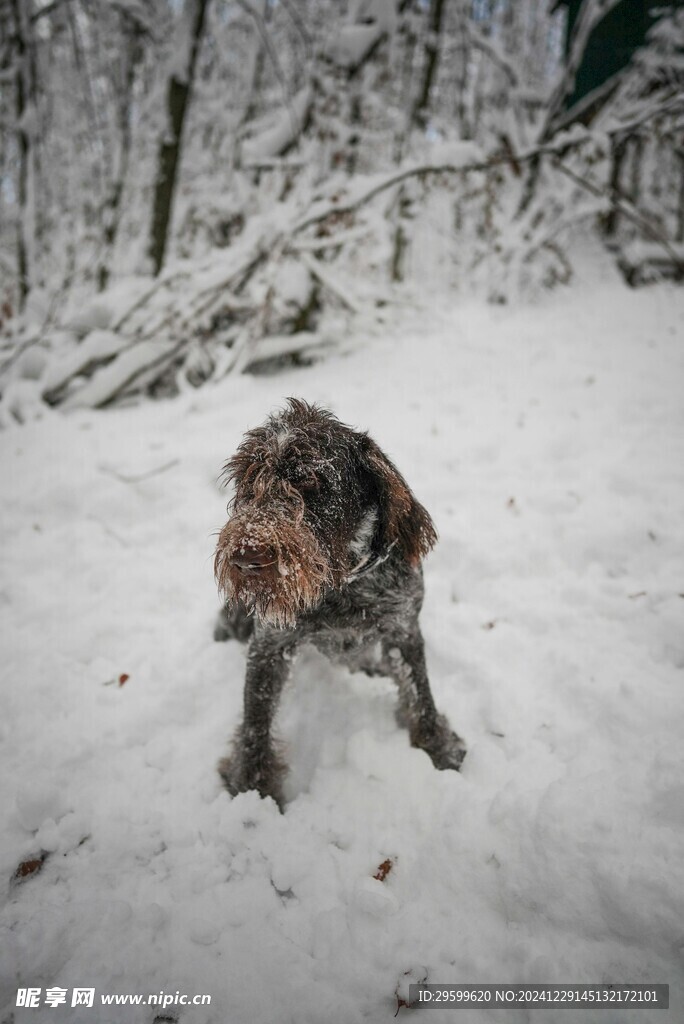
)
(555, 150)
(315, 245)
(27, 343)
(328, 281)
(278, 345)
(434, 170)
(625, 207)
(117, 376)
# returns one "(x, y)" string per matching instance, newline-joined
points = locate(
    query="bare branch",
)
(482, 43)
(590, 14)
(273, 56)
(43, 12)
(298, 21)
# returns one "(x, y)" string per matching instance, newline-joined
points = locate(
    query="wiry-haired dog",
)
(324, 544)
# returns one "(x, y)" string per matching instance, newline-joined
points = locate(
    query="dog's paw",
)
(446, 748)
(450, 754)
(236, 780)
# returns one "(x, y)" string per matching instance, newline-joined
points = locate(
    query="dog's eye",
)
(304, 478)
(307, 483)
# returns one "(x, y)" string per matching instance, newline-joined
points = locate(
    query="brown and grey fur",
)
(323, 546)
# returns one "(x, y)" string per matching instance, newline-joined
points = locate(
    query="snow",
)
(275, 139)
(352, 42)
(548, 443)
(292, 284)
(368, 21)
(96, 315)
(98, 345)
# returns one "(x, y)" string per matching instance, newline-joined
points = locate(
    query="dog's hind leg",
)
(405, 658)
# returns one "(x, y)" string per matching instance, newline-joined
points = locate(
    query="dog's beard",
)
(282, 590)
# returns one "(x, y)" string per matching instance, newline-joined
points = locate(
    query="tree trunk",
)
(431, 61)
(21, 26)
(258, 58)
(618, 152)
(112, 207)
(177, 99)
(463, 52)
(680, 205)
(408, 38)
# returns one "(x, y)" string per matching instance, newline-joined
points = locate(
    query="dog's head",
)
(314, 500)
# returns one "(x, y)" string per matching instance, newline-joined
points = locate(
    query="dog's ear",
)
(401, 519)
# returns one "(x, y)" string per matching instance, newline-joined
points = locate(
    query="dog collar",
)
(368, 564)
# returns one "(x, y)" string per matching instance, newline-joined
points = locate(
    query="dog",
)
(323, 545)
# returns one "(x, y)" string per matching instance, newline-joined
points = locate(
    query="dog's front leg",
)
(405, 659)
(254, 763)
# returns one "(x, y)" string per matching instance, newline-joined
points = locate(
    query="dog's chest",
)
(354, 646)
(348, 629)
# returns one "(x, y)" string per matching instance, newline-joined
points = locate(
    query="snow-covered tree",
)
(279, 165)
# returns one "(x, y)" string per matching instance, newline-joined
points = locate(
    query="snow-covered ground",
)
(548, 444)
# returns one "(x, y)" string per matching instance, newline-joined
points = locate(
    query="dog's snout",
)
(252, 559)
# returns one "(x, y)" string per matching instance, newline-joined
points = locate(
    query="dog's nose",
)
(249, 559)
